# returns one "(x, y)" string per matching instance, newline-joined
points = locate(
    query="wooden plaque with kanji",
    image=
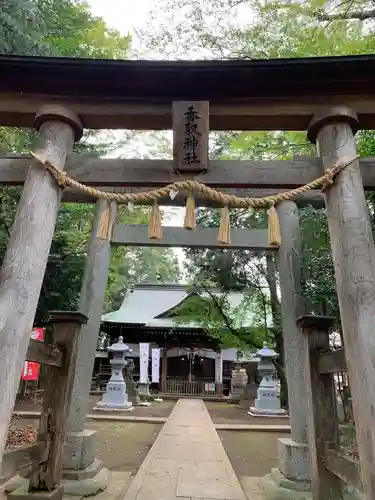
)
(190, 135)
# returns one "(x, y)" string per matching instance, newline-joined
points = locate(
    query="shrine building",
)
(192, 362)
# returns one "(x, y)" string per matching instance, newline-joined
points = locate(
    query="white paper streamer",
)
(155, 365)
(143, 362)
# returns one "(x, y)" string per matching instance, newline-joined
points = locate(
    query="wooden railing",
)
(329, 464)
(181, 387)
(42, 461)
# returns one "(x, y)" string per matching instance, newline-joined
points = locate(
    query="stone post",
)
(25, 260)
(80, 464)
(115, 396)
(267, 404)
(353, 255)
(293, 473)
(219, 373)
(131, 386)
(238, 382)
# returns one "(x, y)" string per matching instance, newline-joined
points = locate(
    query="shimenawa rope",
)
(195, 187)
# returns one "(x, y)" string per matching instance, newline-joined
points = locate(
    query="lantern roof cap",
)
(119, 346)
(266, 352)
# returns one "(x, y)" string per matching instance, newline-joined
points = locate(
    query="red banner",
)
(30, 369)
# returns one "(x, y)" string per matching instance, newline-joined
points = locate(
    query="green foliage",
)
(247, 29)
(214, 314)
(131, 265)
(318, 278)
(67, 28)
(57, 28)
(262, 29)
(72, 31)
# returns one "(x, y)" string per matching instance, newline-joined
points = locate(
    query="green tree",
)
(227, 29)
(67, 28)
(229, 325)
(57, 28)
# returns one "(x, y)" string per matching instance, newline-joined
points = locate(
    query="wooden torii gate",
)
(329, 97)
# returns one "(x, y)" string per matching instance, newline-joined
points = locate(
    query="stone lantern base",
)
(102, 406)
(115, 398)
(257, 412)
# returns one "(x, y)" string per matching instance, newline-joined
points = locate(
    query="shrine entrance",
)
(331, 98)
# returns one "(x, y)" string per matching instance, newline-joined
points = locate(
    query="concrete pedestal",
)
(292, 479)
(85, 482)
(79, 449)
(22, 493)
(83, 474)
(257, 412)
(275, 486)
(294, 460)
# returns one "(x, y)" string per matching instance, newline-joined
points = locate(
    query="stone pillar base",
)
(294, 460)
(17, 487)
(82, 473)
(79, 449)
(88, 472)
(256, 412)
(23, 493)
(275, 486)
(126, 406)
(86, 482)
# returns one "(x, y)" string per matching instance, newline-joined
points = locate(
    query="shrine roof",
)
(166, 81)
(148, 304)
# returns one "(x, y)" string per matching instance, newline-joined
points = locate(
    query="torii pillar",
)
(25, 260)
(83, 473)
(353, 255)
(291, 479)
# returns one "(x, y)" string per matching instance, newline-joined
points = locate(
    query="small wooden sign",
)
(190, 136)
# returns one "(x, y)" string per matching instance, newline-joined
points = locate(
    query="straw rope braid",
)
(195, 187)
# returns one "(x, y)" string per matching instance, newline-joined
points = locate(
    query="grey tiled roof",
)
(145, 303)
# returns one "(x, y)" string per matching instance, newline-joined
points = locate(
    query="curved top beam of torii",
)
(272, 94)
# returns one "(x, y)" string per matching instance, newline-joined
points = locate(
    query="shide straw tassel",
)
(223, 236)
(190, 217)
(155, 231)
(274, 235)
(105, 224)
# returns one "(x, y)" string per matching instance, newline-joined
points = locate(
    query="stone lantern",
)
(267, 404)
(115, 396)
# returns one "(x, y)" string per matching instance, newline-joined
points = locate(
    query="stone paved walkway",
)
(187, 461)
